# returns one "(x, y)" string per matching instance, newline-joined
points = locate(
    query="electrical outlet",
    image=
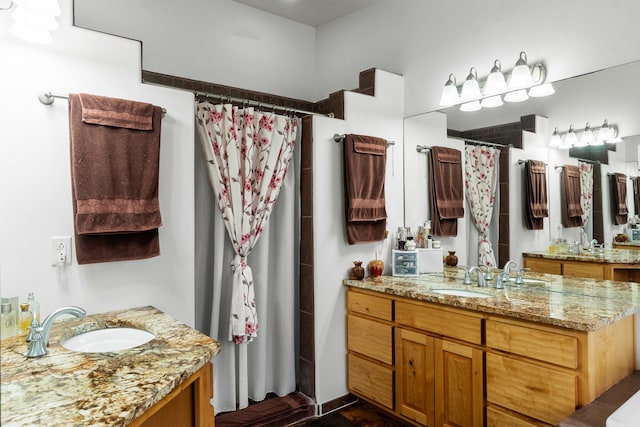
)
(60, 250)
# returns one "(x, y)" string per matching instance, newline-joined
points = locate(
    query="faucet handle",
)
(36, 344)
(34, 324)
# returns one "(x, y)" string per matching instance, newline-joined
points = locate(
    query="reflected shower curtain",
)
(246, 155)
(586, 197)
(481, 177)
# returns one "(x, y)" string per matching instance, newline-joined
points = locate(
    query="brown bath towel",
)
(114, 177)
(570, 196)
(365, 160)
(445, 190)
(619, 198)
(636, 194)
(535, 192)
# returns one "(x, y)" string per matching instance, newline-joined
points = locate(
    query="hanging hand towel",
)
(619, 198)
(365, 159)
(570, 196)
(446, 190)
(536, 208)
(114, 176)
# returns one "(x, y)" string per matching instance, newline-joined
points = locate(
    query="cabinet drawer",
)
(382, 308)
(370, 380)
(546, 266)
(583, 269)
(542, 393)
(498, 417)
(370, 338)
(533, 343)
(441, 322)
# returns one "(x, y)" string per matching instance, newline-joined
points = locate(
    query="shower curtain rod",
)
(425, 148)
(47, 98)
(258, 104)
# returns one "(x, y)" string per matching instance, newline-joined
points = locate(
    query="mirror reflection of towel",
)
(365, 160)
(445, 190)
(619, 198)
(570, 196)
(535, 191)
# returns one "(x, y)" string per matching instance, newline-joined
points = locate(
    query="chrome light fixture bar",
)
(521, 83)
(588, 136)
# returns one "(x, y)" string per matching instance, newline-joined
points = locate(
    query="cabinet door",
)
(415, 376)
(459, 385)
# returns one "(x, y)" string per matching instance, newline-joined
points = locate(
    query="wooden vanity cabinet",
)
(435, 372)
(187, 405)
(589, 269)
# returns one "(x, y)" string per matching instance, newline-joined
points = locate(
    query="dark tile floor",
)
(358, 414)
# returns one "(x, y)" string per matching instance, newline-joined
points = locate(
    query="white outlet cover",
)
(60, 244)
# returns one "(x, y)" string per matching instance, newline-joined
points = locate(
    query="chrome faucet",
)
(592, 246)
(481, 281)
(38, 337)
(487, 272)
(467, 278)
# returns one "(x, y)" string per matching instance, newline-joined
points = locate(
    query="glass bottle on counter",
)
(7, 321)
(24, 319)
(34, 306)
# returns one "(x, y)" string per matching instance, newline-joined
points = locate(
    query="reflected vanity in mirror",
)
(589, 98)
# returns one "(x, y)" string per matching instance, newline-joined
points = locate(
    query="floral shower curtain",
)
(481, 175)
(586, 196)
(247, 154)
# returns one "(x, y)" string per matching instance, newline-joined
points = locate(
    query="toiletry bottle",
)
(34, 306)
(7, 321)
(24, 319)
(421, 237)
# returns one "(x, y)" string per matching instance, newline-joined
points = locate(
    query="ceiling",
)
(309, 12)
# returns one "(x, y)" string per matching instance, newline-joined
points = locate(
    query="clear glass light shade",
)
(492, 101)
(450, 94)
(470, 88)
(516, 96)
(544, 89)
(555, 140)
(470, 106)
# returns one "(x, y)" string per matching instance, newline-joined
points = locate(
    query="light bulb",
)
(450, 93)
(520, 77)
(470, 88)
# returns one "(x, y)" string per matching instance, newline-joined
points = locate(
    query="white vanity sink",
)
(107, 340)
(462, 293)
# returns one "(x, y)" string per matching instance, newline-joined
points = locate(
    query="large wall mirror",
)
(604, 94)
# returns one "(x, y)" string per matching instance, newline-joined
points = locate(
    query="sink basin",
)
(462, 293)
(107, 340)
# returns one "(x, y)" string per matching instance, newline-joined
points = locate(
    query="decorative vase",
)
(376, 267)
(357, 271)
(451, 260)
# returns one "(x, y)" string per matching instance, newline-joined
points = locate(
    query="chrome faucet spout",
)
(39, 337)
(507, 267)
(592, 246)
(481, 281)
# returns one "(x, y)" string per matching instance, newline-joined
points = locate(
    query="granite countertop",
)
(632, 244)
(578, 304)
(610, 256)
(67, 388)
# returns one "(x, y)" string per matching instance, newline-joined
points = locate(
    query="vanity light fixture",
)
(523, 81)
(33, 20)
(589, 136)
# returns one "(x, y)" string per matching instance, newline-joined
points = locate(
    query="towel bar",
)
(47, 98)
(340, 137)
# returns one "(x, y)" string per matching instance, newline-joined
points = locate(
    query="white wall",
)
(35, 185)
(379, 116)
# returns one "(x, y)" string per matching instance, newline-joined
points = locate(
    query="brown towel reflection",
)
(619, 198)
(114, 178)
(535, 192)
(365, 160)
(445, 190)
(636, 194)
(570, 196)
